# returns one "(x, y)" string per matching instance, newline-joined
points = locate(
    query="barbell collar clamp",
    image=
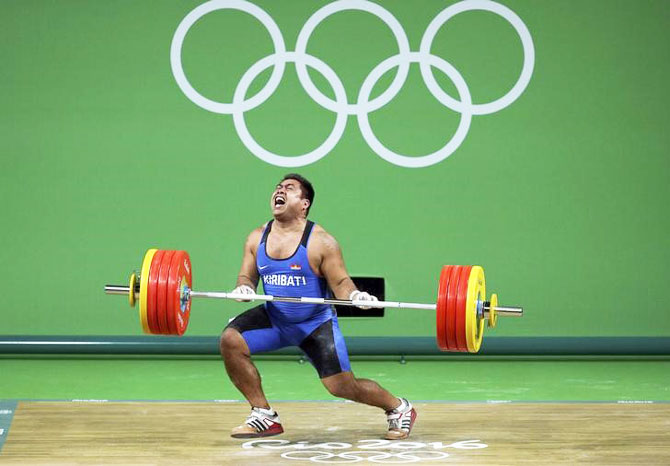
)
(119, 290)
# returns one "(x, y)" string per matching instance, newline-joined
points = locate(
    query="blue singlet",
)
(292, 276)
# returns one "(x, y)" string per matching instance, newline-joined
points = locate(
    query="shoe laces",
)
(393, 417)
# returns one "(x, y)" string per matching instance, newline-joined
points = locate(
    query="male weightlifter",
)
(295, 257)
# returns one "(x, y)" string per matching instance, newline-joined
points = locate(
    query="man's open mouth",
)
(279, 201)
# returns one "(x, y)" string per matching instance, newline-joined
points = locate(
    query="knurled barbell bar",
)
(164, 291)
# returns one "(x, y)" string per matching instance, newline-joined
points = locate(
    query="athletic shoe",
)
(260, 423)
(401, 420)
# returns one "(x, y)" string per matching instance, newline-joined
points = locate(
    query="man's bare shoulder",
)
(255, 236)
(323, 240)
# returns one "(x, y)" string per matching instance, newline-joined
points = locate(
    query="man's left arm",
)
(335, 272)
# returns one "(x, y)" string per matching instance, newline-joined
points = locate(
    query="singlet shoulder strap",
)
(306, 233)
(266, 232)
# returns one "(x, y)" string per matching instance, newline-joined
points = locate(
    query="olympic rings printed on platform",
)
(369, 450)
(364, 105)
(362, 455)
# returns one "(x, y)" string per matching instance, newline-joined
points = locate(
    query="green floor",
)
(449, 380)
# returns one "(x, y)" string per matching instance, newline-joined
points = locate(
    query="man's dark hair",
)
(306, 188)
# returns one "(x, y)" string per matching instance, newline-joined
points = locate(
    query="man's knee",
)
(341, 387)
(231, 342)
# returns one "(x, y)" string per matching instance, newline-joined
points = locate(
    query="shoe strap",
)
(261, 421)
(391, 415)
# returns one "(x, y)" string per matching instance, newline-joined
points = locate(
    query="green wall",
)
(562, 196)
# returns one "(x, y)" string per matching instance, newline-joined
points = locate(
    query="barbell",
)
(164, 291)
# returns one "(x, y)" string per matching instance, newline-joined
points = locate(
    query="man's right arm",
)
(248, 275)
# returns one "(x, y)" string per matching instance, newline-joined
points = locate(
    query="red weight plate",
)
(441, 308)
(152, 291)
(172, 288)
(161, 302)
(164, 318)
(461, 302)
(184, 306)
(179, 310)
(451, 307)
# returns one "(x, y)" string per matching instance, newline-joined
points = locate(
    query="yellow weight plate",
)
(493, 315)
(144, 281)
(474, 326)
(131, 289)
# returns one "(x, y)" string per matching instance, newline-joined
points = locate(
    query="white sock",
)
(268, 412)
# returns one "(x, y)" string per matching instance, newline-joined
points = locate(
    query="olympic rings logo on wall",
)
(363, 105)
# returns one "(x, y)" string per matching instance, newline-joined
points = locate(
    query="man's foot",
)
(260, 423)
(401, 420)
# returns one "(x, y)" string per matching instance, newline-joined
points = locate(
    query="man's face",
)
(287, 201)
